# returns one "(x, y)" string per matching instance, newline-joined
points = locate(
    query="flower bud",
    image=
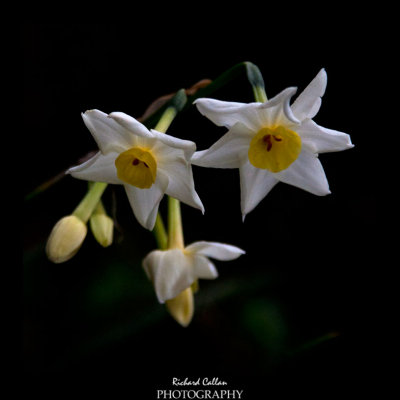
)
(65, 239)
(181, 307)
(102, 227)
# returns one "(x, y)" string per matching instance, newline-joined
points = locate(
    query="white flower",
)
(272, 141)
(147, 163)
(172, 271)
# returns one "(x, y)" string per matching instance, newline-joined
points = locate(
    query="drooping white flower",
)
(172, 271)
(272, 142)
(147, 163)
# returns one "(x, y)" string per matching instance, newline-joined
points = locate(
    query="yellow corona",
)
(137, 167)
(274, 149)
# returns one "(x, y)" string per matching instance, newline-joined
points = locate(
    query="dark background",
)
(293, 314)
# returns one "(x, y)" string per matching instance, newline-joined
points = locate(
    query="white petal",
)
(131, 124)
(277, 111)
(181, 183)
(108, 135)
(306, 173)
(255, 184)
(139, 135)
(219, 251)
(99, 168)
(227, 113)
(323, 140)
(166, 144)
(204, 268)
(227, 151)
(170, 271)
(309, 101)
(145, 202)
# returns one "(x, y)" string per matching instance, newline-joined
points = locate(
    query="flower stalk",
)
(86, 207)
(175, 230)
(176, 105)
(166, 119)
(174, 238)
(180, 307)
(160, 233)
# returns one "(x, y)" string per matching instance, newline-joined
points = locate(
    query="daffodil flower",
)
(174, 270)
(272, 142)
(147, 163)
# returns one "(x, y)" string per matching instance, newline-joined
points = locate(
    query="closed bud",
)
(102, 227)
(181, 307)
(65, 239)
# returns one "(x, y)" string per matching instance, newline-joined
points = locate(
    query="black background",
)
(293, 314)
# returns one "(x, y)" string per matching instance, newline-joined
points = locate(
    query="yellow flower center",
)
(137, 167)
(274, 148)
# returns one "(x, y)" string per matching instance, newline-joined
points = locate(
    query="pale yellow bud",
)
(181, 307)
(65, 239)
(195, 286)
(102, 227)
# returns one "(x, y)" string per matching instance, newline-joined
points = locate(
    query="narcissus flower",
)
(147, 163)
(172, 271)
(272, 142)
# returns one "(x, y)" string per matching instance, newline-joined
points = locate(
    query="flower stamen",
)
(274, 149)
(267, 140)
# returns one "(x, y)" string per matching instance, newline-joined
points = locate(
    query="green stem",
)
(160, 233)
(175, 231)
(162, 238)
(259, 94)
(99, 209)
(166, 119)
(85, 208)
